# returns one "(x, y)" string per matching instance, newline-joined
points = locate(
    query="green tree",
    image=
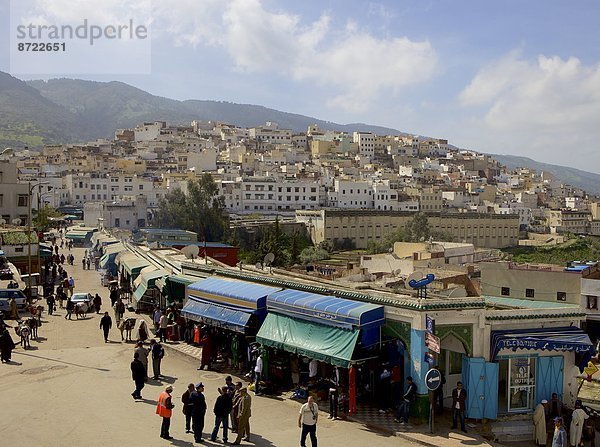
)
(313, 254)
(201, 210)
(417, 229)
(42, 220)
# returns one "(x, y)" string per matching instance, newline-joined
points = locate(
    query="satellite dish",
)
(191, 251)
(397, 272)
(417, 276)
(269, 258)
(16, 221)
(2, 221)
(258, 265)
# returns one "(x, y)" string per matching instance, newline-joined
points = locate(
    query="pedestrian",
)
(120, 309)
(14, 311)
(258, 369)
(307, 421)
(138, 374)
(158, 352)
(407, 399)
(164, 409)
(70, 308)
(188, 406)
(577, 420)
(539, 421)
(235, 407)
(83, 263)
(62, 296)
(560, 435)
(105, 325)
(156, 319)
(97, 302)
(162, 327)
(6, 345)
(459, 398)
(333, 394)
(198, 411)
(222, 409)
(244, 414)
(50, 301)
(89, 261)
(71, 285)
(206, 354)
(143, 356)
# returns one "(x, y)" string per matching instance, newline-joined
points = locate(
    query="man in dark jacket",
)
(105, 325)
(157, 352)
(138, 374)
(407, 399)
(188, 406)
(223, 406)
(459, 399)
(198, 412)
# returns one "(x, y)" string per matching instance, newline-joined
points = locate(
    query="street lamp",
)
(29, 234)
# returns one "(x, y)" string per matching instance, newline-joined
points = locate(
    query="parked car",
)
(7, 294)
(83, 297)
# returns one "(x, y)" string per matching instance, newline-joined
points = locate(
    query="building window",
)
(505, 291)
(22, 200)
(592, 302)
(561, 296)
(529, 293)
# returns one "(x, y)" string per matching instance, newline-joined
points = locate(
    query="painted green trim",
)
(398, 329)
(533, 317)
(463, 332)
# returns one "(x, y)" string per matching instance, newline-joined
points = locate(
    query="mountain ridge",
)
(66, 110)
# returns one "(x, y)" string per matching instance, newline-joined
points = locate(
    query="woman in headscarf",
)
(6, 345)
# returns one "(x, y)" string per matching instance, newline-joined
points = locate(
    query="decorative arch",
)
(464, 334)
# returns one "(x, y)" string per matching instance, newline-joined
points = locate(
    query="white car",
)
(7, 294)
(83, 297)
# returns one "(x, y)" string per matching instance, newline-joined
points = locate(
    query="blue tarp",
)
(238, 295)
(329, 310)
(544, 339)
(215, 315)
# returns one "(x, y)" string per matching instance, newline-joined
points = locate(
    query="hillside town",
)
(374, 316)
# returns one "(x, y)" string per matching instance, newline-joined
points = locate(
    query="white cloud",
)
(543, 107)
(353, 63)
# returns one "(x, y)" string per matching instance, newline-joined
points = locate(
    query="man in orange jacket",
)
(164, 410)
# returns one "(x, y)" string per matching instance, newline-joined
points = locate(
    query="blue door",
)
(549, 377)
(490, 402)
(480, 378)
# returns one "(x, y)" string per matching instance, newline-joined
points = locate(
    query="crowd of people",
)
(551, 420)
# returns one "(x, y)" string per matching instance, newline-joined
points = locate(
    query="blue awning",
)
(238, 295)
(215, 315)
(329, 310)
(545, 339)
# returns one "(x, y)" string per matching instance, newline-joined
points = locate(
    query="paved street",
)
(71, 388)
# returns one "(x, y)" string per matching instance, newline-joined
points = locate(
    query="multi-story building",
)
(363, 226)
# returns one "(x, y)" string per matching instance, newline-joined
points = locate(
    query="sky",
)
(509, 77)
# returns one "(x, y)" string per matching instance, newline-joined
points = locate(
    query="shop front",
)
(224, 316)
(303, 328)
(146, 295)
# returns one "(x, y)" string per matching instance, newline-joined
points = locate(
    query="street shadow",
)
(146, 401)
(30, 348)
(258, 440)
(61, 361)
(13, 363)
(271, 397)
(161, 380)
(182, 443)
(41, 339)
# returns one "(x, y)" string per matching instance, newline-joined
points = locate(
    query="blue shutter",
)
(490, 402)
(549, 377)
(473, 380)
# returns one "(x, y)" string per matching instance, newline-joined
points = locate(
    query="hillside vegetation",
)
(580, 249)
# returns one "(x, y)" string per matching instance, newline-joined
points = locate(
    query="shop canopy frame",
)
(562, 339)
(331, 311)
(217, 316)
(238, 295)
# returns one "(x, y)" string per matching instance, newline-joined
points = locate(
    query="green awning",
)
(75, 235)
(139, 292)
(149, 278)
(329, 344)
(183, 280)
(134, 265)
